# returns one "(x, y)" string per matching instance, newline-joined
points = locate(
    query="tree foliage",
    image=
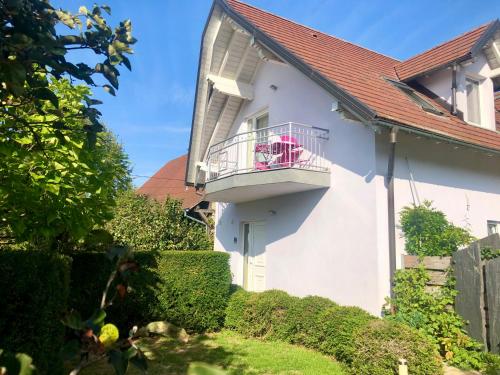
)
(145, 224)
(32, 52)
(428, 232)
(53, 186)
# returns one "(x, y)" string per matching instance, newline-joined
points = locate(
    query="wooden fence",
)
(478, 285)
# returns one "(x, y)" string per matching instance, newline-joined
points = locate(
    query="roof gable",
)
(168, 181)
(460, 48)
(359, 73)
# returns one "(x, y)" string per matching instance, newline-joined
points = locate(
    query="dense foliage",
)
(34, 289)
(428, 232)
(381, 345)
(36, 48)
(188, 288)
(53, 186)
(430, 312)
(335, 330)
(148, 225)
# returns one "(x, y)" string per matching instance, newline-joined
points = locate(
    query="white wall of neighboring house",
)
(321, 242)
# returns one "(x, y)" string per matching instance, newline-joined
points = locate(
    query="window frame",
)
(416, 97)
(493, 224)
(477, 81)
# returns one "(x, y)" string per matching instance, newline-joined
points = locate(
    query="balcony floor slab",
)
(245, 187)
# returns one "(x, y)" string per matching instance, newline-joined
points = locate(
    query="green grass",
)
(234, 353)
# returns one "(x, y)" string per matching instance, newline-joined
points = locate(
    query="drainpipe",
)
(390, 206)
(194, 219)
(454, 89)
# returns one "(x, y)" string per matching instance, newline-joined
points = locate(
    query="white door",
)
(254, 272)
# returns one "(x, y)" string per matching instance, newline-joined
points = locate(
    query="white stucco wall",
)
(461, 182)
(321, 242)
(439, 82)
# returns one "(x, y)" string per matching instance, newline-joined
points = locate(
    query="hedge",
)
(34, 290)
(187, 288)
(347, 333)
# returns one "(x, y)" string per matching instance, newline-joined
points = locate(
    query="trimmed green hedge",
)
(187, 288)
(347, 333)
(34, 290)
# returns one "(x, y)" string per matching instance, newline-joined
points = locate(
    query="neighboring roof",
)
(359, 72)
(497, 110)
(169, 181)
(453, 50)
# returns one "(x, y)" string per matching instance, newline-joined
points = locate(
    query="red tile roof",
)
(361, 73)
(169, 181)
(441, 55)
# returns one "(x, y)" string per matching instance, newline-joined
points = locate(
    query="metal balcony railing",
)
(288, 145)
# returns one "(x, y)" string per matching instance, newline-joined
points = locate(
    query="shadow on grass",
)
(171, 357)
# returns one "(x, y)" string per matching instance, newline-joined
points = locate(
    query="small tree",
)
(145, 224)
(428, 232)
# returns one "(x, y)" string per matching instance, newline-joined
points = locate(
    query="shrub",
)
(337, 329)
(380, 345)
(236, 307)
(193, 288)
(303, 320)
(427, 231)
(187, 288)
(33, 292)
(431, 313)
(148, 225)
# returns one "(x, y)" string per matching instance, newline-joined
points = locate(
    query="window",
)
(493, 227)
(413, 95)
(473, 106)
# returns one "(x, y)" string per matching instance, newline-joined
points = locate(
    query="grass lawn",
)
(232, 352)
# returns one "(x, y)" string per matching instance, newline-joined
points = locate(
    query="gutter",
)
(391, 220)
(454, 89)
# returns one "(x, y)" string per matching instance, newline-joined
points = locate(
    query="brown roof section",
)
(441, 55)
(361, 73)
(169, 181)
(497, 110)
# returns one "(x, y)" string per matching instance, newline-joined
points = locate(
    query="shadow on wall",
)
(442, 164)
(285, 214)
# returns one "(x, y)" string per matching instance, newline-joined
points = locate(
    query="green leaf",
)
(139, 361)
(96, 321)
(109, 89)
(73, 320)
(45, 93)
(106, 8)
(118, 361)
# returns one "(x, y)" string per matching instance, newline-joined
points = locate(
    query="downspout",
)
(195, 220)
(390, 206)
(454, 89)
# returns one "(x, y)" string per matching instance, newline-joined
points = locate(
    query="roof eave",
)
(349, 102)
(431, 134)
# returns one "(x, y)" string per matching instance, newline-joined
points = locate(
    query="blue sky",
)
(151, 114)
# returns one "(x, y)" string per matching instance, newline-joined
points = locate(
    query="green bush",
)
(145, 224)
(236, 307)
(193, 288)
(430, 313)
(337, 328)
(33, 293)
(381, 344)
(187, 288)
(89, 274)
(303, 320)
(427, 231)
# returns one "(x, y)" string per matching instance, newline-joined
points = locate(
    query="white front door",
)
(254, 269)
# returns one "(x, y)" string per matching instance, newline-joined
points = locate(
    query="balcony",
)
(267, 162)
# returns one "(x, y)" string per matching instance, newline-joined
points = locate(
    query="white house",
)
(312, 145)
